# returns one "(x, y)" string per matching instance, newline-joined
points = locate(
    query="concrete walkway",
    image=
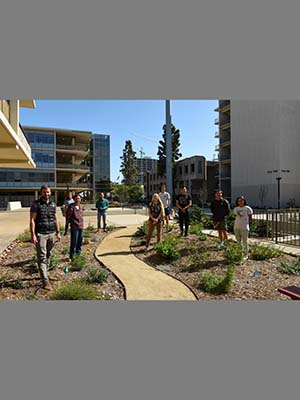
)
(141, 281)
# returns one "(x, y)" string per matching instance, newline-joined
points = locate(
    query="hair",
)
(161, 185)
(218, 191)
(240, 197)
(45, 187)
(159, 201)
(77, 195)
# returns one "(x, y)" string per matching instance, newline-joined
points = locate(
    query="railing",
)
(280, 226)
(217, 134)
(72, 166)
(70, 184)
(70, 147)
(216, 121)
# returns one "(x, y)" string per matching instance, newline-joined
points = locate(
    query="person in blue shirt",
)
(102, 206)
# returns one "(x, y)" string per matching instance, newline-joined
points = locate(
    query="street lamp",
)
(278, 178)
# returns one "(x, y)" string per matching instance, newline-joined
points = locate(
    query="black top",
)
(45, 216)
(183, 199)
(220, 208)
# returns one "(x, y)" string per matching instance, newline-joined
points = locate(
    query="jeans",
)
(103, 215)
(76, 242)
(66, 227)
(184, 219)
(43, 247)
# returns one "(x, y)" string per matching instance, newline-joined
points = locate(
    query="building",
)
(143, 165)
(15, 151)
(65, 160)
(100, 163)
(259, 147)
(196, 173)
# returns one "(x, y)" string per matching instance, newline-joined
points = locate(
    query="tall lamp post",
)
(169, 178)
(278, 178)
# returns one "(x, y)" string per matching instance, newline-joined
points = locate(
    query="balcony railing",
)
(72, 166)
(76, 184)
(216, 121)
(217, 148)
(225, 141)
(217, 134)
(70, 147)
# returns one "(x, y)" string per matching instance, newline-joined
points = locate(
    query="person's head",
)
(155, 198)
(69, 195)
(101, 195)
(183, 190)
(45, 192)
(77, 199)
(218, 195)
(240, 201)
(163, 187)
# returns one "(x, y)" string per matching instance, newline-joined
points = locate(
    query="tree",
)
(175, 133)
(128, 168)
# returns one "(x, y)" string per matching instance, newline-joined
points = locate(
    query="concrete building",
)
(65, 160)
(15, 151)
(143, 165)
(259, 147)
(196, 173)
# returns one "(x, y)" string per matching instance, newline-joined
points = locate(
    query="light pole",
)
(169, 166)
(278, 178)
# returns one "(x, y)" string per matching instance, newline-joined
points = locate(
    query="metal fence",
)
(280, 226)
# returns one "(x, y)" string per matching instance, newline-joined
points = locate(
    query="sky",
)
(140, 121)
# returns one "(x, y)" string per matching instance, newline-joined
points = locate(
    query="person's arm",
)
(250, 213)
(189, 204)
(32, 227)
(179, 206)
(57, 227)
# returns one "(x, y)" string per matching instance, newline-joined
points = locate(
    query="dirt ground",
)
(19, 279)
(253, 280)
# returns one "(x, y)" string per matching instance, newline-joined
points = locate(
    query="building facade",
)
(100, 164)
(143, 165)
(259, 147)
(65, 160)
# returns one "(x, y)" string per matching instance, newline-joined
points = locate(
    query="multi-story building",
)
(100, 163)
(65, 160)
(143, 165)
(259, 147)
(196, 173)
(15, 151)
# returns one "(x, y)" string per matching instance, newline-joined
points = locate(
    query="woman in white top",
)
(241, 224)
(166, 200)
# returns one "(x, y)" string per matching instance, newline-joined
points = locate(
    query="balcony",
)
(217, 134)
(71, 185)
(72, 167)
(216, 121)
(71, 148)
(217, 148)
(225, 125)
(225, 142)
(224, 105)
(225, 159)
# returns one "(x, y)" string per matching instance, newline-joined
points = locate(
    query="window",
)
(180, 170)
(186, 169)
(192, 168)
(199, 167)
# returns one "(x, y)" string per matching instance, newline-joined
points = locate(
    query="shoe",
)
(221, 246)
(245, 258)
(186, 235)
(65, 233)
(146, 250)
(97, 231)
(105, 230)
(46, 285)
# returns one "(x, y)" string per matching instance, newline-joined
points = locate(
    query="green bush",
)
(196, 229)
(54, 261)
(79, 262)
(167, 249)
(216, 284)
(291, 268)
(90, 227)
(197, 261)
(259, 228)
(260, 253)
(96, 275)
(75, 290)
(230, 221)
(198, 215)
(25, 236)
(234, 253)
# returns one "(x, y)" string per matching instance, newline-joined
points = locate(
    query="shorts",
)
(220, 225)
(167, 211)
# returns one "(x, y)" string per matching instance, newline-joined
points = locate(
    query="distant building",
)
(65, 160)
(143, 165)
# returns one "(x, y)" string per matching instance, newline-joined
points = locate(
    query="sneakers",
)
(146, 249)
(221, 246)
(46, 285)
(186, 235)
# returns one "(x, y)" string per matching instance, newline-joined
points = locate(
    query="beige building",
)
(259, 147)
(15, 150)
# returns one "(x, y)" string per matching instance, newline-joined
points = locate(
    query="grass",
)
(75, 290)
(233, 253)
(96, 275)
(216, 284)
(260, 253)
(25, 236)
(79, 263)
(289, 267)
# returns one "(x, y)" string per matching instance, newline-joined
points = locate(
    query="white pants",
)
(242, 238)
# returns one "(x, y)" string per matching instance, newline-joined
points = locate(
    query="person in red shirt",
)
(75, 218)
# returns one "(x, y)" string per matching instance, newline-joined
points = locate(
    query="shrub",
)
(198, 215)
(54, 261)
(260, 253)
(75, 290)
(259, 228)
(167, 249)
(230, 221)
(90, 227)
(197, 261)
(291, 268)
(96, 275)
(196, 229)
(25, 236)
(216, 284)
(65, 251)
(234, 253)
(78, 262)
(141, 230)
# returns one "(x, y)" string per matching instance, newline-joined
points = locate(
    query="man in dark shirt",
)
(44, 227)
(220, 208)
(184, 202)
(75, 218)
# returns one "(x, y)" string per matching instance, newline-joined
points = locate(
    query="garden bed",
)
(253, 280)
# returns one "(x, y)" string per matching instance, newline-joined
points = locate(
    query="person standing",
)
(75, 219)
(102, 206)
(69, 200)
(184, 202)
(156, 215)
(241, 226)
(44, 228)
(166, 200)
(220, 208)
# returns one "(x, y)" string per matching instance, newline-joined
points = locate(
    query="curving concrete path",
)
(141, 281)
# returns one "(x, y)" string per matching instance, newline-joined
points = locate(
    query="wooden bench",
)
(292, 291)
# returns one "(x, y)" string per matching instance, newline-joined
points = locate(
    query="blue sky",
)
(133, 120)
